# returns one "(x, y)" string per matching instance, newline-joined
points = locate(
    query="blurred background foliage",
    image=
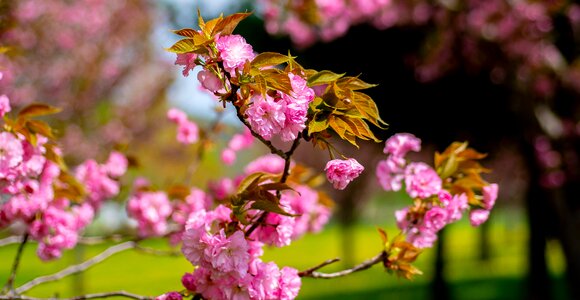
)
(103, 62)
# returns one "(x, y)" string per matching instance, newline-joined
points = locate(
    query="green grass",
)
(499, 277)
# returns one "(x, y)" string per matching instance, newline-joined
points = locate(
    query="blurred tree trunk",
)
(439, 287)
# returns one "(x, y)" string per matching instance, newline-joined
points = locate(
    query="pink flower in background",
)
(478, 216)
(234, 51)
(187, 131)
(116, 164)
(269, 163)
(490, 195)
(390, 173)
(4, 105)
(421, 180)
(151, 210)
(341, 172)
(176, 116)
(238, 142)
(12, 153)
(401, 143)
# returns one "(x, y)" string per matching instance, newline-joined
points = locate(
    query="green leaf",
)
(37, 109)
(354, 83)
(323, 77)
(317, 125)
(269, 59)
(182, 46)
(276, 186)
(280, 82)
(270, 206)
(250, 180)
(229, 23)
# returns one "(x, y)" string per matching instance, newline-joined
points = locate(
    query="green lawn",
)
(500, 277)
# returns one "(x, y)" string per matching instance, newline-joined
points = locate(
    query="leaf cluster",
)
(342, 108)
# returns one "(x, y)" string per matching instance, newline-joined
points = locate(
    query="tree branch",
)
(88, 296)
(76, 268)
(362, 266)
(8, 287)
(10, 240)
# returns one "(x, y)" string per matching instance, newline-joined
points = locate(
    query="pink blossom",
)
(341, 172)
(277, 230)
(401, 216)
(4, 105)
(151, 210)
(116, 164)
(422, 238)
(187, 60)
(169, 296)
(234, 51)
(421, 180)
(401, 143)
(455, 205)
(268, 163)
(490, 195)
(176, 116)
(210, 81)
(478, 216)
(435, 218)
(390, 173)
(289, 284)
(241, 141)
(12, 153)
(228, 156)
(266, 280)
(187, 132)
(188, 281)
(266, 116)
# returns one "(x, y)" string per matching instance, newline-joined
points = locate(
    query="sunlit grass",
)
(499, 277)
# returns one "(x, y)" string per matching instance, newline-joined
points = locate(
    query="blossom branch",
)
(8, 287)
(88, 296)
(362, 266)
(74, 269)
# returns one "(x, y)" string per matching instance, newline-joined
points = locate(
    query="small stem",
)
(362, 266)
(76, 268)
(325, 263)
(9, 286)
(88, 296)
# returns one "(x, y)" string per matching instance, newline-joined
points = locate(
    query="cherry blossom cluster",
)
(521, 33)
(31, 188)
(435, 205)
(187, 131)
(89, 49)
(225, 250)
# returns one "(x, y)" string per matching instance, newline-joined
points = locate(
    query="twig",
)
(76, 268)
(10, 240)
(362, 266)
(9, 286)
(309, 271)
(157, 251)
(88, 296)
(95, 240)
